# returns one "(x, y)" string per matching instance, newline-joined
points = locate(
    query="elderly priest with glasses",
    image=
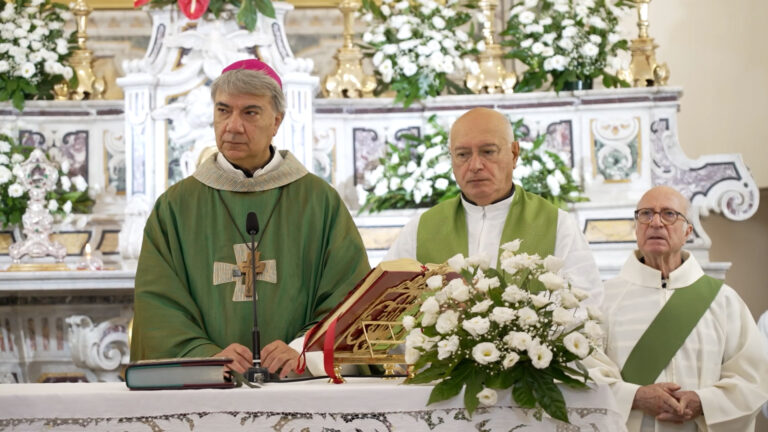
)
(690, 354)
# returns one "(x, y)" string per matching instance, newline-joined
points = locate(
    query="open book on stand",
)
(178, 373)
(365, 324)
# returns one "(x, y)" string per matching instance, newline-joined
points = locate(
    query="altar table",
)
(362, 404)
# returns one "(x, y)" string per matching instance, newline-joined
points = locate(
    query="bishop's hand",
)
(657, 399)
(241, 356)
(279, 356)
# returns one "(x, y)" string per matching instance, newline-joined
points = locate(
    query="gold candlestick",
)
(644, 70)
(493, 76)
(349, 80)
(82, 57)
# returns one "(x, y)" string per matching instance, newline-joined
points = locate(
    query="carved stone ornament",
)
(101, 348)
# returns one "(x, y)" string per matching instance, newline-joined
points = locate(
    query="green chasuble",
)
(442, 231)
(313, 253)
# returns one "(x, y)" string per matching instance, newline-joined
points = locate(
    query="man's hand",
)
(279, 356)
(241, 356)
(691, 404)
(658, 398)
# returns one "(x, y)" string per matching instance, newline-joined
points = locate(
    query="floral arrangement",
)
(544, 172)
(194, 9)
(33, 50)
(415, 46)
(70, 196)
(418, 174)
(567, 40)
(489, 331)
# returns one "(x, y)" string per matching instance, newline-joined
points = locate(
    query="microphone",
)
(255, 373)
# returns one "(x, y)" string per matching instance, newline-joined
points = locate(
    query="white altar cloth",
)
(362, 404)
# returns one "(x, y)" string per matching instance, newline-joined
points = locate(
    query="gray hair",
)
(251, 82)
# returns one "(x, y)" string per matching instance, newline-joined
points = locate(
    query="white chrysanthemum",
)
(502, 315)
(446, 347)
(527, 317)
(488, 397)
(552, 281)
(540, 355)
(15, 190)
(430, 305)
(485, 353)
(477, 326)
(409, 322)
(510, 360)
(447, 321)
(562, 316)
(482, 306)
(576, 343)
(517, 340)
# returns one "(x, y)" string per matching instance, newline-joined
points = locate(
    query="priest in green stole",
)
(492, 210)
(690, 354)
(194, 284)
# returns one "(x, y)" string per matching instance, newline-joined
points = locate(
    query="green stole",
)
(667, 332)
(442, 231)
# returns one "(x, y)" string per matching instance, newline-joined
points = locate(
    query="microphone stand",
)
(256, 373)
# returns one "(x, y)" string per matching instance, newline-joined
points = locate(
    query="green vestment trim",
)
(442, 231)
(669, 330)
(318, 257)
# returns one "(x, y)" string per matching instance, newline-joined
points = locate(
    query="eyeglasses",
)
(488, 153)
(667, 216)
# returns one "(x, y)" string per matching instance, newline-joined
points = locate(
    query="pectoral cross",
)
(241, 273)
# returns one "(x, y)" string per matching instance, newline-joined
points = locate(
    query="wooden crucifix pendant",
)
(248, 276)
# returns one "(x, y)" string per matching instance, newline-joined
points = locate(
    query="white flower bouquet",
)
(522, 328)
(33, 50)
(70, 196)
(567, 40)
(418, 174)
(416, 45)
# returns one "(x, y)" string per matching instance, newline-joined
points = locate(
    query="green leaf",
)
(451, 387)
(549, 396)
(247, 15)
(522, 392)
(502, 380)
(474, 384)
(428, 375)
(266, 8)
(18, 100)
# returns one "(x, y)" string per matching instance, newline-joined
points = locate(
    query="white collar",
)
(270, 166)
(497, 208)
(645, 275)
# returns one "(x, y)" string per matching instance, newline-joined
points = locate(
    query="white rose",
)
(5, 175)
(488, 397)
(593, 330)
(447, 321)
(459, 291)
(441, 183)
(502, 315)
(476, 326)
(580, 294)
(381, 188)
(15, 190)
(527, 317)
(526, 17)
(438, 22)
(485, 284)
(482, 306)
(67, 207)
(562, 316)
(540, 355)
(80, 183)
(53, 205)
(446, 347)
(428, 319)
(415, 339)
(512, 246)
(552, 281)
(430, 305)
(540, 300)
(589, 49)
(457, 262)
(435, 282)
(576, 343)
(480, 260)
(412, 355)
(485, 353)
(569, 32)
(17, 158)
(517, 340)
(409, 322)
(510, 360)
(568, 300)
(595, 313)
(553, 263)
(513, 294)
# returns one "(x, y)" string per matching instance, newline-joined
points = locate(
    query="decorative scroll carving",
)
(101, 348)
(713, 182)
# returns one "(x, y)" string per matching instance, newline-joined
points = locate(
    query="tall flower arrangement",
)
(418, 174)
(194, 9)
(567, 41)
(33, 50)
(416, 45)
(70, 196)
(488, 331)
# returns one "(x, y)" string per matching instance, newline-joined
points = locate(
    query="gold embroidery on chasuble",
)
(241, 274)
